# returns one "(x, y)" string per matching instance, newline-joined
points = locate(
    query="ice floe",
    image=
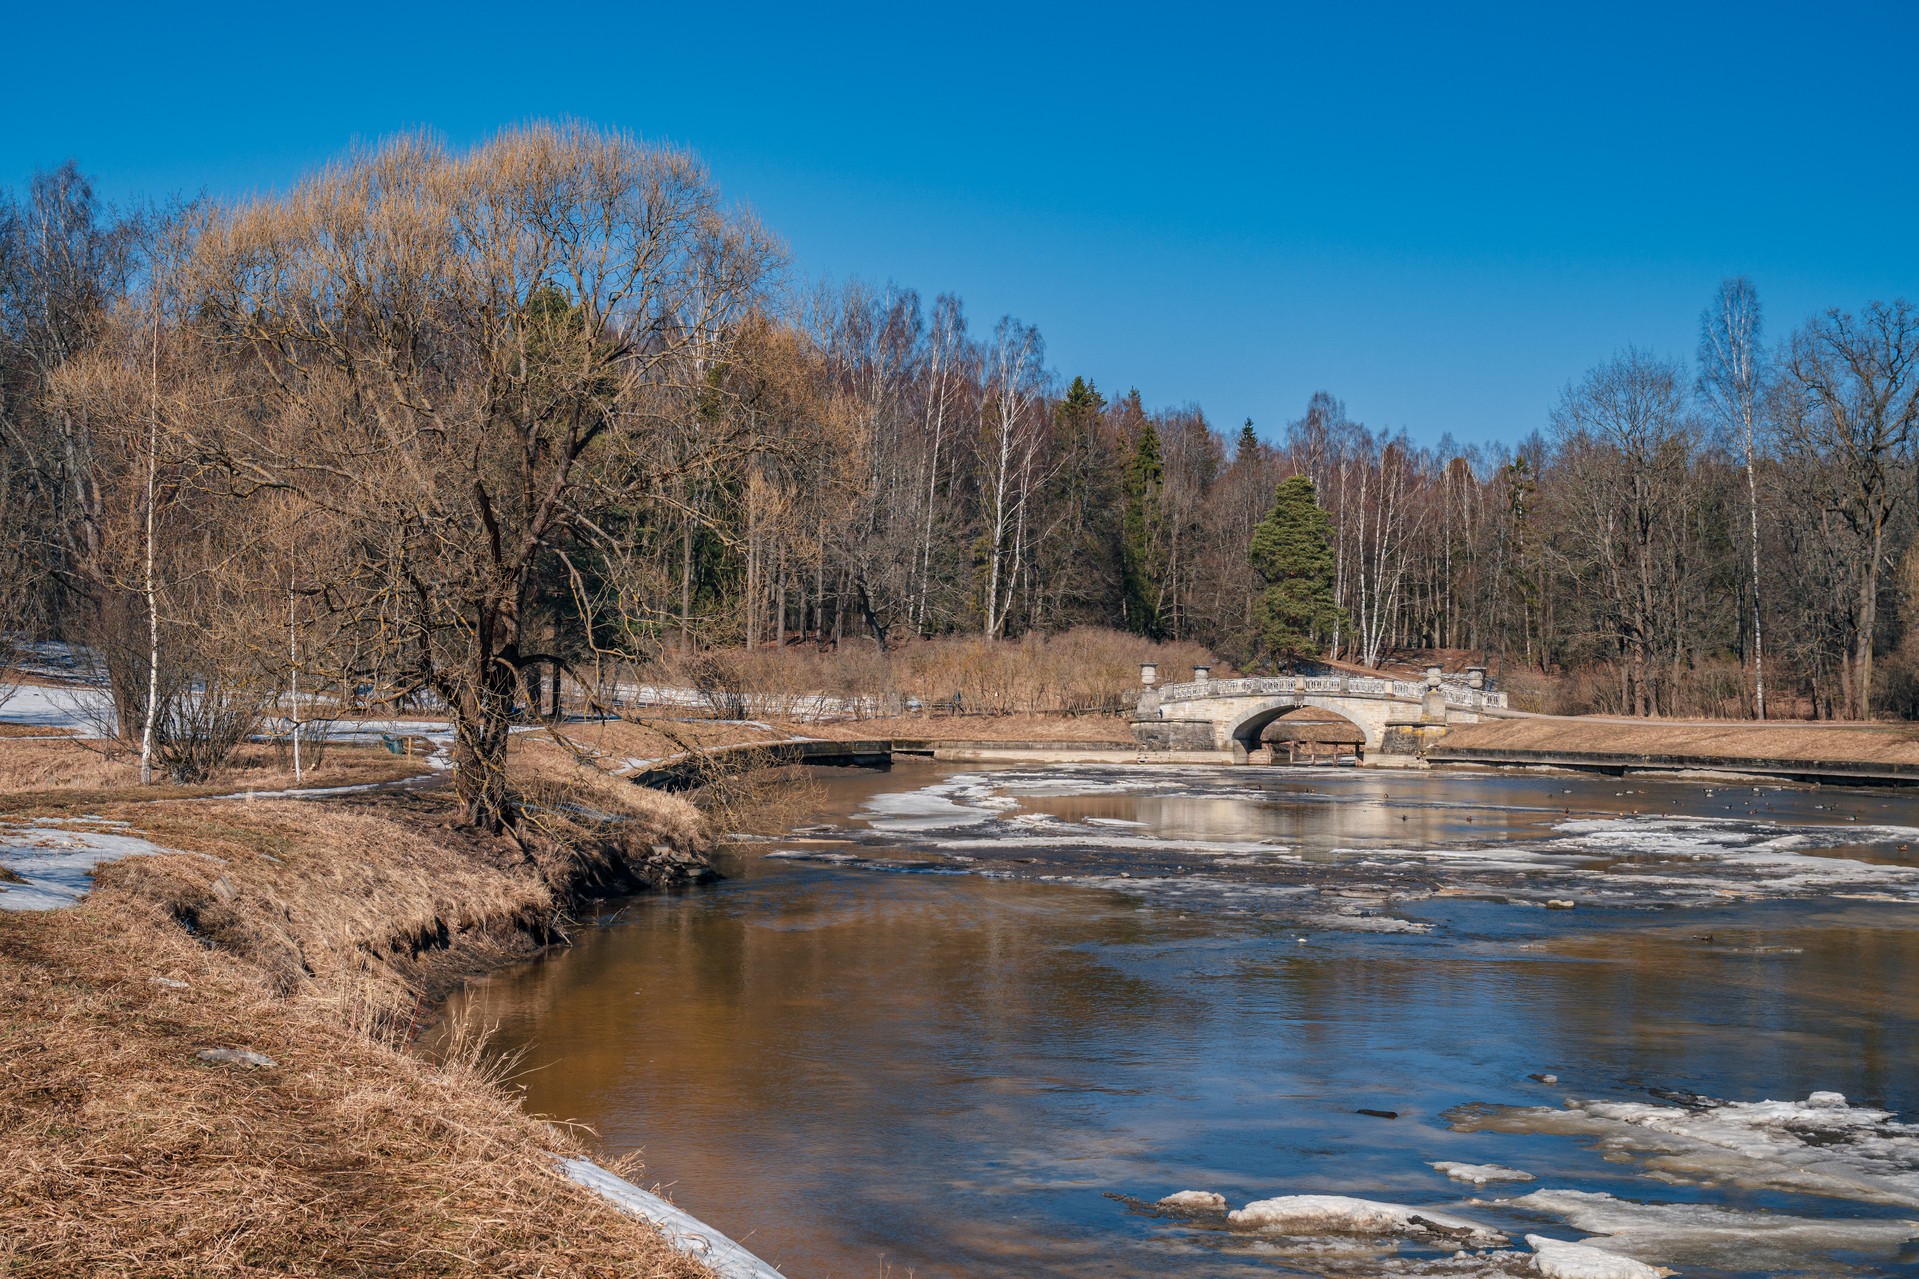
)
(1341, 1214)
(1558, 1259)
(1711, 1235)
(1194, 1201)
(1480, 1174)
(1821, 1146)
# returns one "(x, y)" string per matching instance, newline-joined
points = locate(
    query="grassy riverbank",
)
(1707, 740)
(313, 933)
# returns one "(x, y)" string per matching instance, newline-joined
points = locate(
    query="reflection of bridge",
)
(1230, 714)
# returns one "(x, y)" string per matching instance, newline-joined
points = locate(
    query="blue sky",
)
(1441, 213)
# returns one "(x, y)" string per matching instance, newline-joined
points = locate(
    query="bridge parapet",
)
(1349, 685)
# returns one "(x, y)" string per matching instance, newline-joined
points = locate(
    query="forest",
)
(450, 424)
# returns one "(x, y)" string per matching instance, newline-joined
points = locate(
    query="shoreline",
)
(256, 974)
(350, 912)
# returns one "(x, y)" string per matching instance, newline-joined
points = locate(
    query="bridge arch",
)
(1249, 720)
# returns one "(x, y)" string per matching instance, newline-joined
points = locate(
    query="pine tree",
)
(1140, 521)
(1292, 552)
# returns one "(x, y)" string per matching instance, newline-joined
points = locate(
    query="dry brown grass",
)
(33, 730)
(1088, 669)
(127, 1155)
(984, 728)
(1861, 743)
(65, 764)
(367, 908)
(44, 776)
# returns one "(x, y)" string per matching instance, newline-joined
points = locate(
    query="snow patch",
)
(682, 1229)
(54, 858)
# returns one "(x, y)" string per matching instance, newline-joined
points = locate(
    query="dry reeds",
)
(1088, 670)
(129, 1155)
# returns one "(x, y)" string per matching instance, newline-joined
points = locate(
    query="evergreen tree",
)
(1248, 447)
(1079, 570)
(1140, 521)
(1292, 552)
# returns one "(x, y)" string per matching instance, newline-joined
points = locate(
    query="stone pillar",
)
(1432, 677)
(1201, 674)
(1475, 677)
(1148, 674)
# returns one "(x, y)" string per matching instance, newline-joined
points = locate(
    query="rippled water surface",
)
(971, 1022)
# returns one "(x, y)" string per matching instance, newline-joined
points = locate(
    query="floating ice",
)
(1195, 1201)
(1339, 1214)
(1480, 1174)
(1715, 1236)
(1557, 1259)
(1820, 1146)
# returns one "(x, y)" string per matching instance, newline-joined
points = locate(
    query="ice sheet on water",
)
(1691, 1234)
(1559, 1259)
(1342, 1214)
(1821, 1146)
(966, 799)
(1480, 1174)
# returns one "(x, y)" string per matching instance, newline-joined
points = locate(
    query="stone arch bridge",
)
(1229, 714)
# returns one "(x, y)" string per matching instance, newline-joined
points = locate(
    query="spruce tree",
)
(1292, 552)
(1140, 520)
(1248, 447)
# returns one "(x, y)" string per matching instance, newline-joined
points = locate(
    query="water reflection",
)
(851, 1070)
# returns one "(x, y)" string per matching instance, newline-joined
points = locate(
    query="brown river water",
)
(972, 1022)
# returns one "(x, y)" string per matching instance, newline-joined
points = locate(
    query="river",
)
(973, 1022)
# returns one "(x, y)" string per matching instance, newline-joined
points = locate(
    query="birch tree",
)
(1732, 379)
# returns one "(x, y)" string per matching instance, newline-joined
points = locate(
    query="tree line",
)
(449, 424)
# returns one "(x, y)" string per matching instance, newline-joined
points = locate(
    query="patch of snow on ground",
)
(72, 708)
(55, 857)
(682, 1229)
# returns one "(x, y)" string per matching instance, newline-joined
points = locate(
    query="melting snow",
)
(56, 856)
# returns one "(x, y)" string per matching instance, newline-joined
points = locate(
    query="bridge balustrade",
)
(1354, 685)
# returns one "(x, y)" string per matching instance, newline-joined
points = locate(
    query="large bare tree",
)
(1854, 400)
(465, 363)
(1732, 377)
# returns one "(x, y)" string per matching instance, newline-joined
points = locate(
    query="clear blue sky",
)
(1442, 213)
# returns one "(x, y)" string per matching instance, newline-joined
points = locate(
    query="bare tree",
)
(1855, 400)
(1627, 438)
(1732, 376)
(1009, 447)
(468, 364)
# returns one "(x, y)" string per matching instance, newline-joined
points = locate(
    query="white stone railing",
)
(1336, 685)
